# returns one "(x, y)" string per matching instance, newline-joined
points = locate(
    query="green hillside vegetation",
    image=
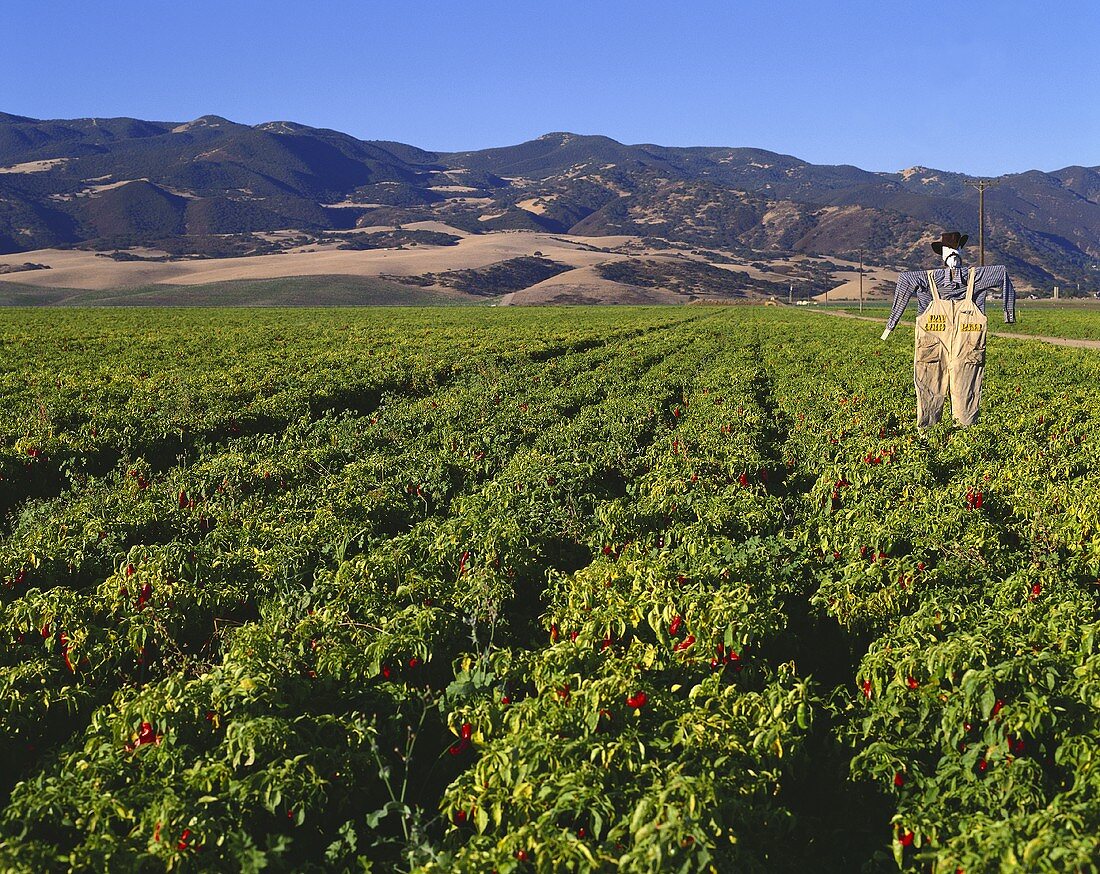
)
(136, 209)
(496, 279)
(394, 239)
(689, 278)
(23, 267)
(188, 247)
(396, 194)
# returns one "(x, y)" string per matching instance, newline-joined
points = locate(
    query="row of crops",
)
(582, 589)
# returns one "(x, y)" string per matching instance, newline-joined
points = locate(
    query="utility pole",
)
(861, 282)
(790, 294)
(981, 185)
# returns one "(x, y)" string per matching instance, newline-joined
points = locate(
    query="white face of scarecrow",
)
(951, 257)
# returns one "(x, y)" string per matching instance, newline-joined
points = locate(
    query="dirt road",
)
(1057, 341)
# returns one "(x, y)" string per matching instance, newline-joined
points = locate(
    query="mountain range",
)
(114, 183)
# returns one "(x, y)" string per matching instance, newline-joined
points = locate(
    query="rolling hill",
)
(118, 183)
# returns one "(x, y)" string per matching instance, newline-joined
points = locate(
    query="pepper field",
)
(654, 589)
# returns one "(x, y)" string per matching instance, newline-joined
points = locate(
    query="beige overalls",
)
(949, 354)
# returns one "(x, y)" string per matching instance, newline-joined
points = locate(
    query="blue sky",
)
(989, 88)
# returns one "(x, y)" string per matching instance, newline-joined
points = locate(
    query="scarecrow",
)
(949, 355)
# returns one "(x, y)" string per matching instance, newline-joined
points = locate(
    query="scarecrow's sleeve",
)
(903, 292)
(996, 277)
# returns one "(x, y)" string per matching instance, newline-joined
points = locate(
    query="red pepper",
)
(899, 780)
(906, 839)
(464, 740)
(686, 643)
(64, 638)
(675, 626)
(637, 700)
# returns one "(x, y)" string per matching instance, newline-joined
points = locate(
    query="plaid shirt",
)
(951, 285)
